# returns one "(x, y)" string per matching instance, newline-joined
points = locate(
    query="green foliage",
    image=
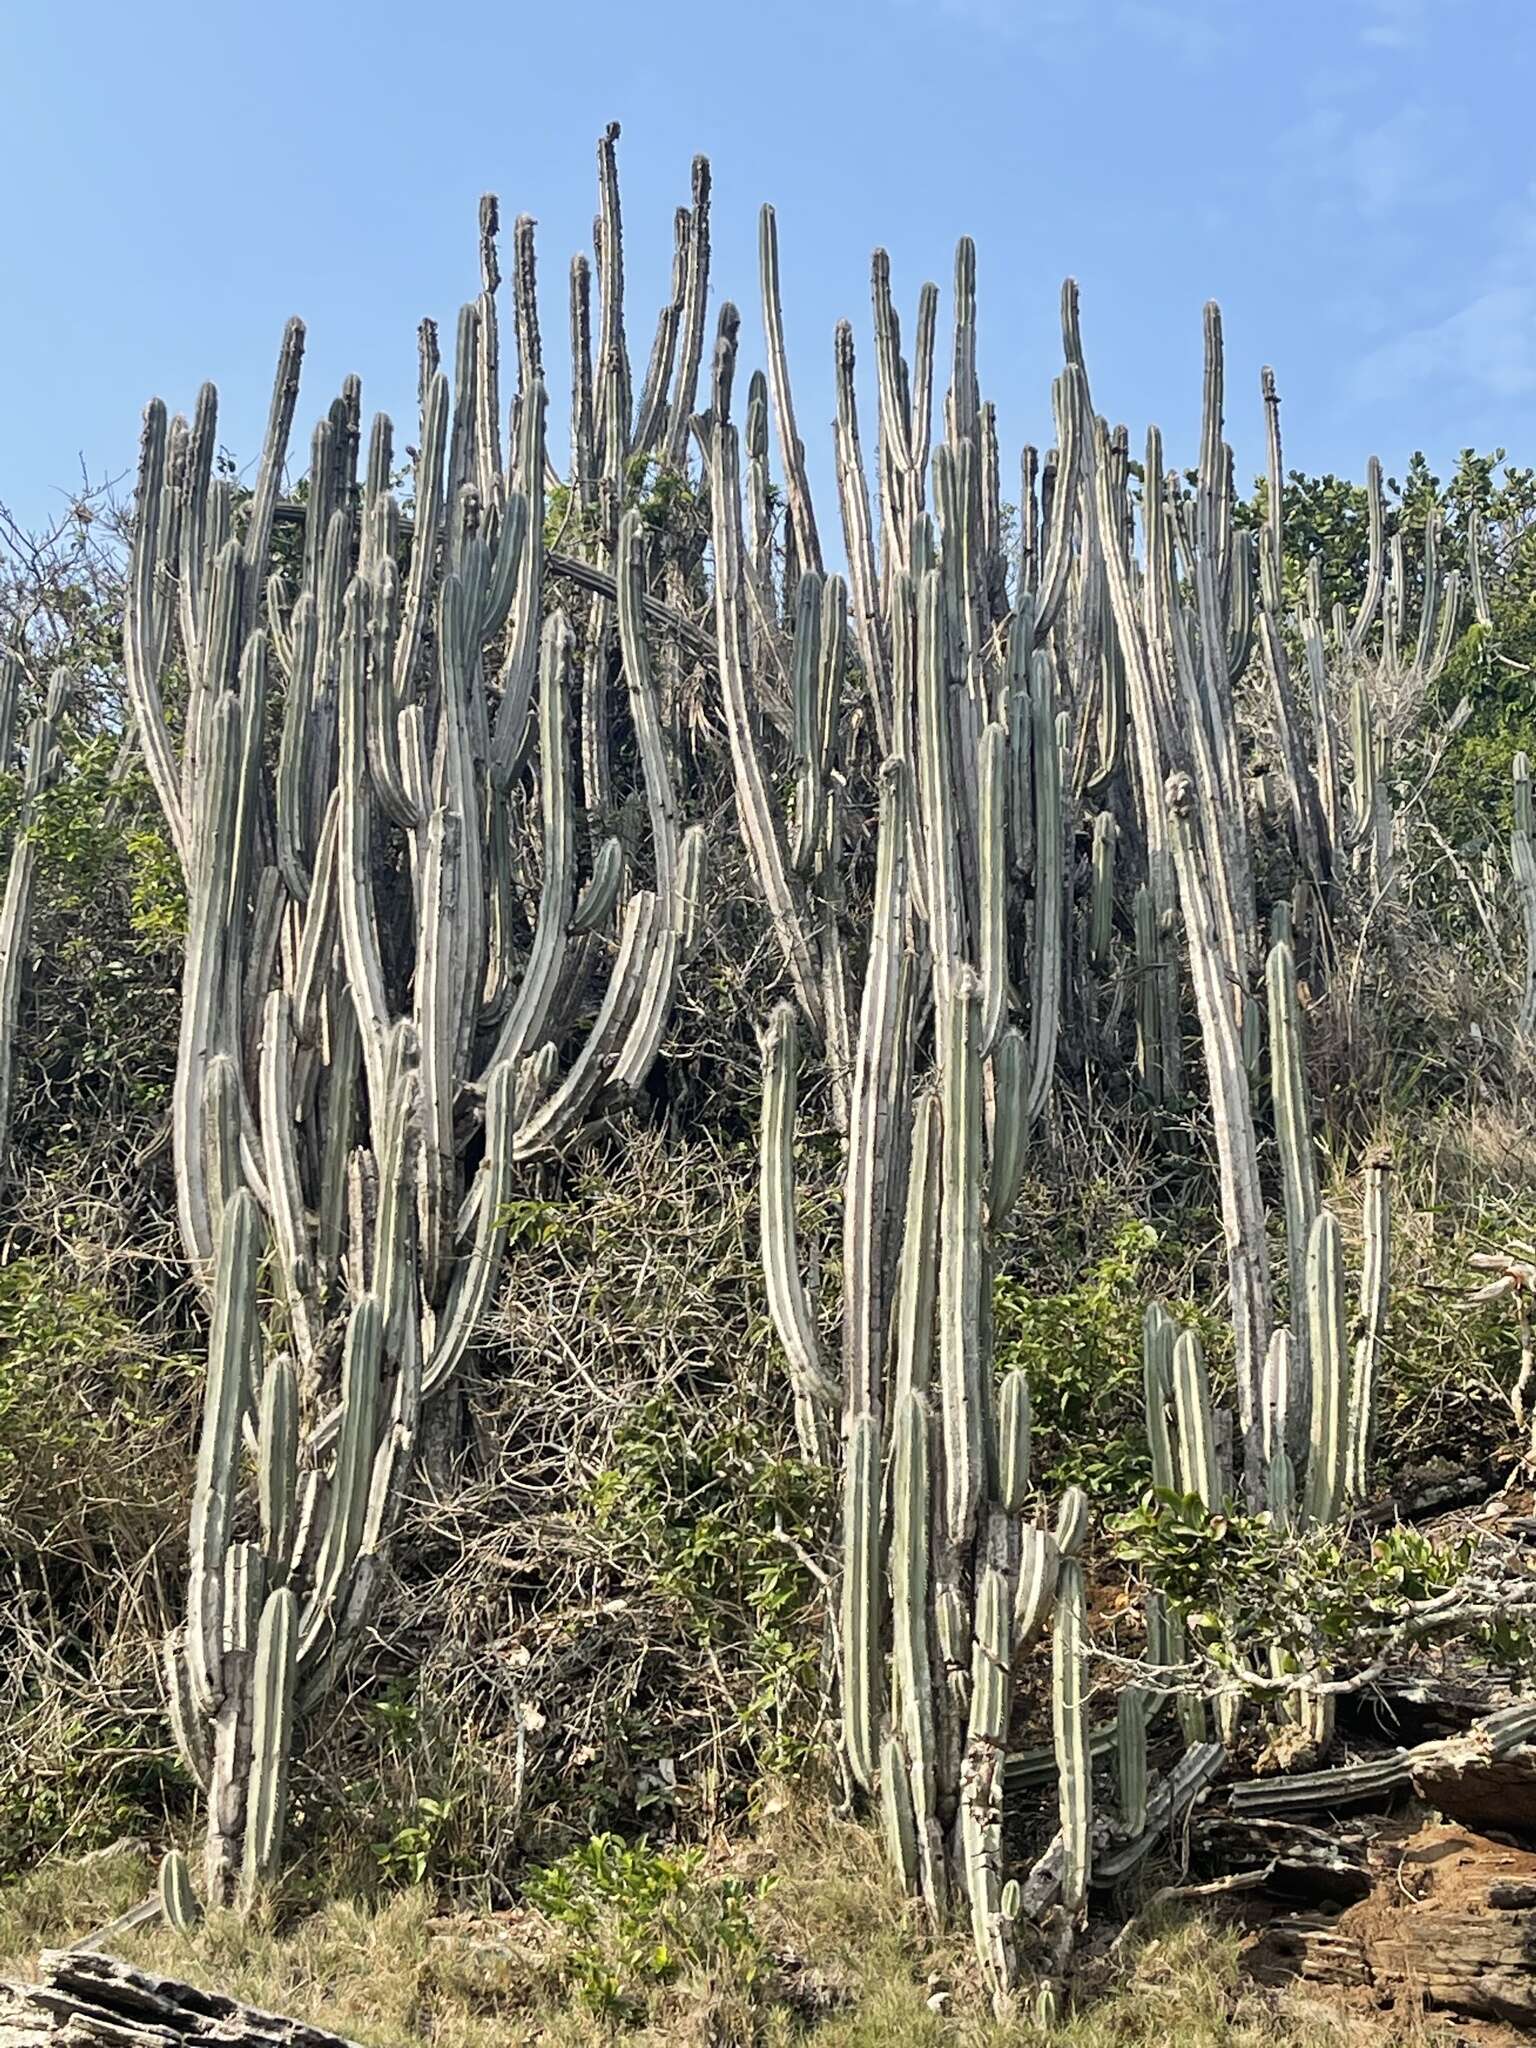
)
(84, 1406)
(722, 1528)
(722, 1522)
(414, 1852)
(1319, 1595)
(1081, 1348)
(635, 1917)
(98, 1781)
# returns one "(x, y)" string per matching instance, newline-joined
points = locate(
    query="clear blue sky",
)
(1353, 179)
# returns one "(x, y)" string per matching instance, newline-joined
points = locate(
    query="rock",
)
(94, 2001)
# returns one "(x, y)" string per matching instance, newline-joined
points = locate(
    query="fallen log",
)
(1449, 1922)
(86, 2000)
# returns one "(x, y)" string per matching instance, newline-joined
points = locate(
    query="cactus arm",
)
(981, 1796)
(858, 541)
(362, 1361)
(797, 489)
(231, 1346)
(1069, 1720)
(992, 947)
(271, 1742)
(645, 709)
(1046, 929)
(144, 631)
(269, 474)
(1328, 1359)
(277, 1467)
(787, 1302)
(861, 1596)
(873, 1110)
(1198, 1470)
(1375, 1290)
(753, 802)
(521, 660)
(960, 1294)
(528, 1019)
(354, 851)
(285, 1192)
(1375, 574)
(1242, 1205)
(1293, 1129)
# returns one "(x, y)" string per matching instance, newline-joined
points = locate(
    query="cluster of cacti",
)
(1099, 679)
(440, 892)
(366, 765)
(1317, 1399)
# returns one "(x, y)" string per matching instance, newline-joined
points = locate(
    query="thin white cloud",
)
(1395, 24)
(1185, 28)
(1407, 159)
(1486, 345)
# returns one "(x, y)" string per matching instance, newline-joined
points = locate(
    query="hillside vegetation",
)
(729, 1257)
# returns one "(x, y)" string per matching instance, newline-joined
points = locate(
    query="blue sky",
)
(1352, 179)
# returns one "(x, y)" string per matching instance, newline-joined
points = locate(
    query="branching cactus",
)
(378, 1006)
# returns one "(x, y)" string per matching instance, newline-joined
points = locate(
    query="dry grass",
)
(847, 1967)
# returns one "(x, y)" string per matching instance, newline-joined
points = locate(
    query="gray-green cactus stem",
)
(861, 1601)
(1242, 1201)
(1522, 859)
(787, 1302)
(874, 1113)
(232, 1350)
(271, 1741)
(1069, 1717)
(178, 1903)
(964, 1404)
(1293, 1130)
(1328, 1357)
(1375, 1294)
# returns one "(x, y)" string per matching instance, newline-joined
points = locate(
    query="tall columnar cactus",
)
(1375, 1290)
(1522, 859)
(378, 1005)
(1328, 1356)
(1298, 1164)
(43, 763)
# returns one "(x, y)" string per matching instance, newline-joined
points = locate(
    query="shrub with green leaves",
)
(636, 1917)
(1081, 1347)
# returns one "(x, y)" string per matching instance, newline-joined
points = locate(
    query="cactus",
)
(299, 1085)
(1039, 1572)
(1013, 1442)
(1069, 1712)
(277, 1649)
(1197, 1463)
(861, 1596)
(1375, 1286)
(1328, 1455)
(1298, 1163)
(1522, 859)
(178, 1903)
(44, 761)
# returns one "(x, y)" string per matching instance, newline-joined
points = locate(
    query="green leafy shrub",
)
(1319, 1595)
(1081, 1347)
(636, 1917)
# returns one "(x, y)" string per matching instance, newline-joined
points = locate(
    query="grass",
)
(838, 1961)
